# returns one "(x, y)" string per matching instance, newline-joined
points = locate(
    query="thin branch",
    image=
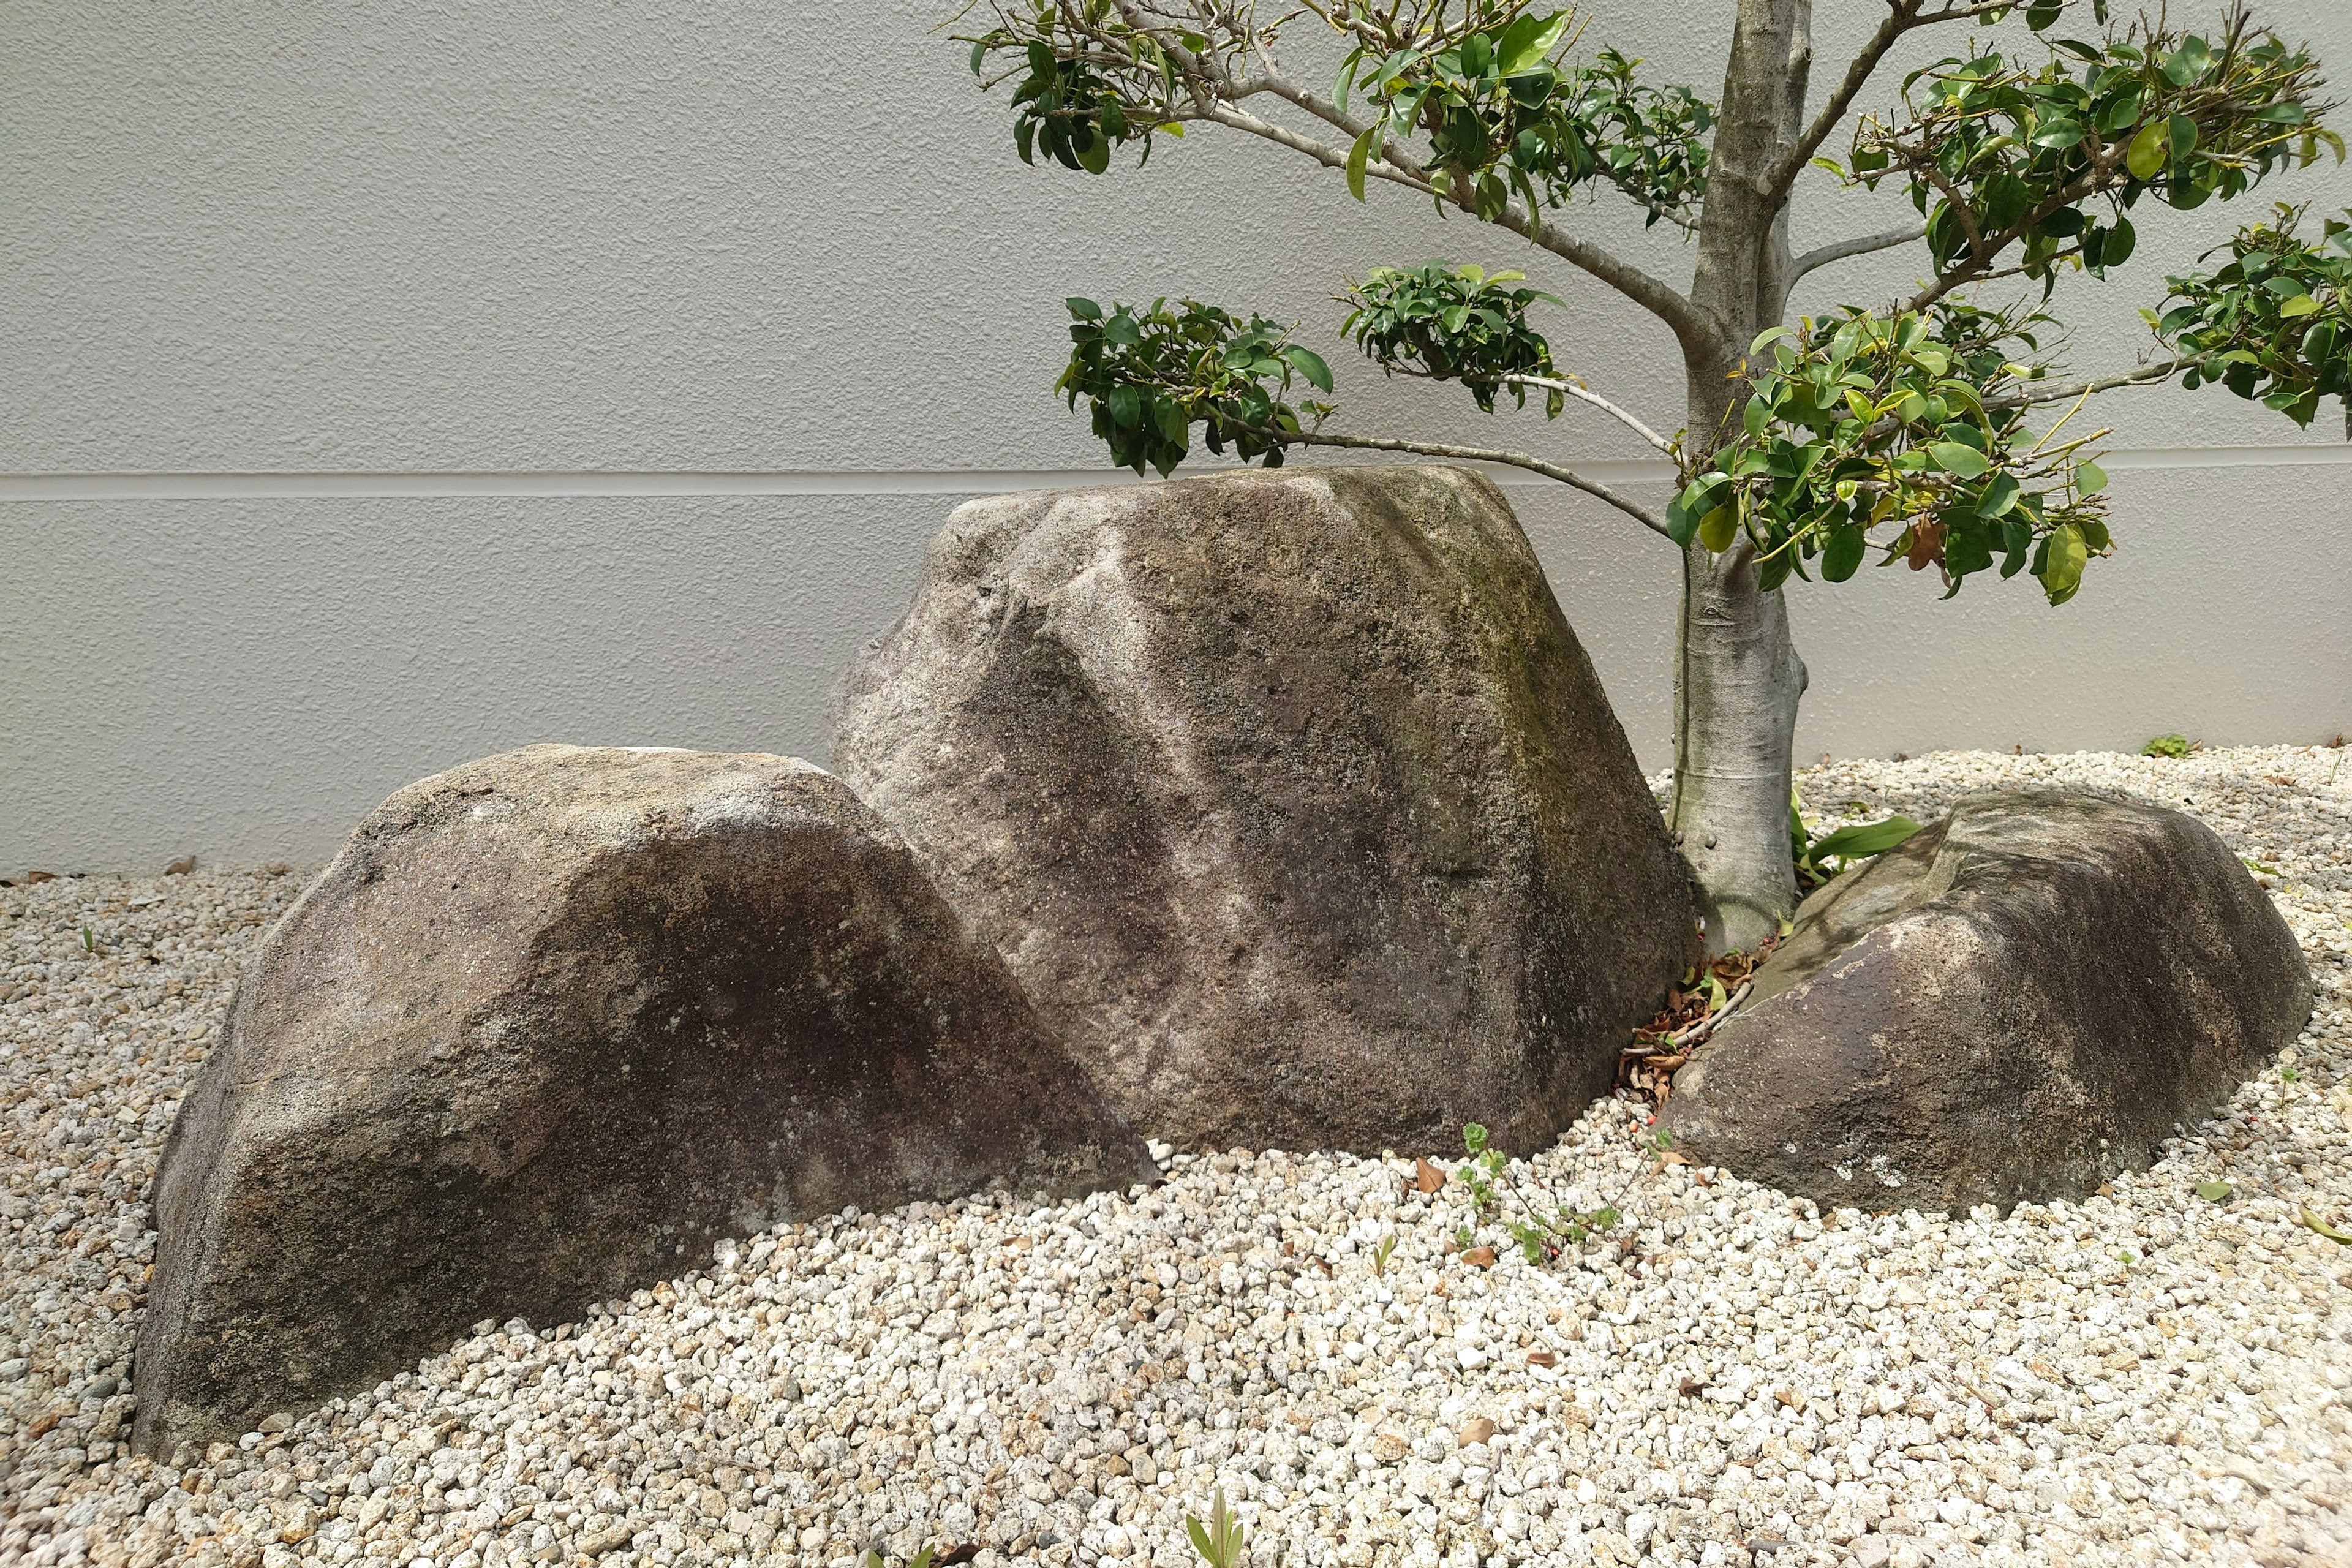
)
(1586, 395)
(2145, 375)
(1838, 250)
(1568, 477)
(1575, 389)
(1652, 294)
(1902, 16)
(1983, 251)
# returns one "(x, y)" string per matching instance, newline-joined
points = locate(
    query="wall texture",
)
(389, 384)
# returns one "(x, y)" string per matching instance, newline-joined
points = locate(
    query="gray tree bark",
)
(1737, 677)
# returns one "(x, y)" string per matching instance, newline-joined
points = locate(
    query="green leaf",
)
(2300, 306)
(1964, 461)
(1526, 42)
(1126, 404)
(1869, 838)
(1842, 553)
(1999, 497)
(2215, 1192)
(2061, 572)
(2089, 478)
(1717, 529)
(1084, 309)
(2317, 1226)
(2150, 150)
(1310, 365)
(1358, 157)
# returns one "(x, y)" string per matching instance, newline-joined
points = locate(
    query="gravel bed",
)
(2151, 1376)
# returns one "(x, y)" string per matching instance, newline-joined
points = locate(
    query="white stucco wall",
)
(382, 385)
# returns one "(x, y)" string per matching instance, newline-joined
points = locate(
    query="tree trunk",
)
(1737, 681)
(1737, 677)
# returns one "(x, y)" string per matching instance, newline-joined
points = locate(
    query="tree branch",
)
(1568, 477)
(1902, 16)
(1652, 294)
(1781, 177)
(1586, 395)
(1838, 250)
(2145, 375)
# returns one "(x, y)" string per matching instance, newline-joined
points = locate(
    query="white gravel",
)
(2146, 1377)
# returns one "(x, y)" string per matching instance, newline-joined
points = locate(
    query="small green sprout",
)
(2174, 746)
(1220, 1542)
(1382, 1252)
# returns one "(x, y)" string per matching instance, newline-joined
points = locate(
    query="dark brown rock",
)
(2016, 1004)
(1289, 797)
(548, 1025)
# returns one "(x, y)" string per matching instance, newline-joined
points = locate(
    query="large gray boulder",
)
(548, 1025)
(1289, 797)
(2018, 1003)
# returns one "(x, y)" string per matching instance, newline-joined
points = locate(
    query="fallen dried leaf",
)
(182, 867)
(1542, 1358)
(1482, 1256)
(1426, 1177)
(1674, 1157)
(34, 879)
(1690, 1387)
(1477, 1430)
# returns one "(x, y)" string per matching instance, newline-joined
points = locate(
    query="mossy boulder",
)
(1289, 797)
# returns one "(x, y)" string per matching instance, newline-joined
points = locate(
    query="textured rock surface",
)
(1290, 798)
(2016, 1004)
(548, 1025)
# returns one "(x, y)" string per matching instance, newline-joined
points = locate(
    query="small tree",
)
(1933, 429)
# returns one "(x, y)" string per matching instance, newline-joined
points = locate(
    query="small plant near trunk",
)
(2174, 746)
(1822, 859)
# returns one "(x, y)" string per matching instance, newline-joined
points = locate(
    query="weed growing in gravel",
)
(2174, 746)
(1540, 1235)
(1220, 1542)
(1380, 1254)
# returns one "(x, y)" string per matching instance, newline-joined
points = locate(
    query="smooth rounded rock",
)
(548, 1025)
(2026, 998)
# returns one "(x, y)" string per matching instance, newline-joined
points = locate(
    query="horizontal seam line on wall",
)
(298, 485)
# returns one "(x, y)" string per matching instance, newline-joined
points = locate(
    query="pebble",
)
(1731, 1377)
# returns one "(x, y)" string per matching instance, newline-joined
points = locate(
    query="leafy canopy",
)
(1915, 425)
(1933, 430)
(2048, 156)
(2276, 323)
